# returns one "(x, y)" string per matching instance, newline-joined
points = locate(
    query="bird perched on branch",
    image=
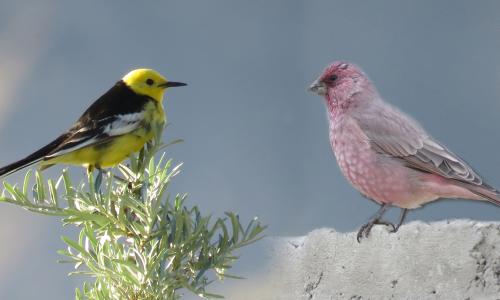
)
(116, 125)
(387, 155)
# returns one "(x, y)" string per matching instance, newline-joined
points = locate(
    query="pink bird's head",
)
(341, 81)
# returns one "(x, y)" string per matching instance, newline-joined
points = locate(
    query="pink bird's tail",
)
(485, 191)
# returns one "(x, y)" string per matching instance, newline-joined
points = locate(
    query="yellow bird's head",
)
(149, 82)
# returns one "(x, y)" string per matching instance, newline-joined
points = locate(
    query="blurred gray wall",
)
(255, 141)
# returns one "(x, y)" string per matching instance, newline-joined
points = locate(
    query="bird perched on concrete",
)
(116, 125)
(387, 155)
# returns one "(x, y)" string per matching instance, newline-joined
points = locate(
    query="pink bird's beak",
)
(318, 87)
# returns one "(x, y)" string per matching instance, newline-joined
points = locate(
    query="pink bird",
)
(387, 155)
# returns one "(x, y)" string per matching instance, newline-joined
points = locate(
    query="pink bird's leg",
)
(402, 216)
(375, 220)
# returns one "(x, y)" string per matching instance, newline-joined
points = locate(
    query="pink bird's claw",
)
(364, 231)
(376, 220)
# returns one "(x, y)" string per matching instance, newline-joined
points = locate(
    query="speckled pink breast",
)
(375, 177)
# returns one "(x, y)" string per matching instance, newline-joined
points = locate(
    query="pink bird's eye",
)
(332, 78)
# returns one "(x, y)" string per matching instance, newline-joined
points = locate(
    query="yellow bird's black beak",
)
(172, 84)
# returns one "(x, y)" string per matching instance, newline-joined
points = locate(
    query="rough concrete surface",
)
(443, 260)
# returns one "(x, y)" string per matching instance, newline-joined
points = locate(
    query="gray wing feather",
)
(392, 133)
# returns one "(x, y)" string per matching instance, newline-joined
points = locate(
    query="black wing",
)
(117, 112)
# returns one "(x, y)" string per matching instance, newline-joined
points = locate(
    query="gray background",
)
(255, 140)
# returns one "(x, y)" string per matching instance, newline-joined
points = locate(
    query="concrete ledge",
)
(444, 260)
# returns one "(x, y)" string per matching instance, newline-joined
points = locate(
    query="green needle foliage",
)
(135, 240)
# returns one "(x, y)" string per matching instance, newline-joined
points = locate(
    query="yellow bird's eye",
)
(150, 81)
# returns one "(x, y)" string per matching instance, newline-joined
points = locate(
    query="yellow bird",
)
(116, 125)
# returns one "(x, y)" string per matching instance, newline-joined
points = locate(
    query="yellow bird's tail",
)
(32, 158)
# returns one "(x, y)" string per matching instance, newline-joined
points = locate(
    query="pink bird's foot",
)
(364, 231)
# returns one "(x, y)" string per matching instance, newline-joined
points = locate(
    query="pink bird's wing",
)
(392, 133)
